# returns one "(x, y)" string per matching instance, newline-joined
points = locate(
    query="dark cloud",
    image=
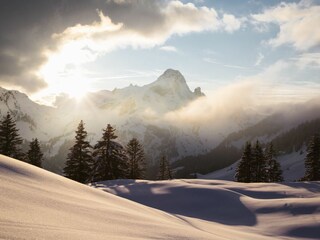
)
(140, 15)
(26, 28)
(144, 24)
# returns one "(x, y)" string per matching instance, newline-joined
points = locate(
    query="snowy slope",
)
(36, 204)
(292, 166)
(232, 210)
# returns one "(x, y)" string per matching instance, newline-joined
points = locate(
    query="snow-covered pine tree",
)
(79, 161)
(274, 172)
(110, 157)
(136, 158)
(164, 169)
(312, 161)
(10, 140)
(243, 172)
(34, 154)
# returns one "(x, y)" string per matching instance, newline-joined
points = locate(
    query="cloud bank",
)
(26, 28)
(122, 26)
(298, 24)
(33, 32)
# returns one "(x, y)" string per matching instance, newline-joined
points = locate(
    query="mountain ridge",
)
(134, 111)
(141, 112)
(289, 142)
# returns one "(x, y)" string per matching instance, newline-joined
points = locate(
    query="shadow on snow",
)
(217, 205)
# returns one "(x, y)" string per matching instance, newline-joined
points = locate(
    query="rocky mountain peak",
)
(171, 82)
(198, 93)
(172, 77)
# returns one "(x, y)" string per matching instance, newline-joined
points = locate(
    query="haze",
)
(72, 47)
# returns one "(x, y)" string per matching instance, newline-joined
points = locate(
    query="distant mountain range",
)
(141, 112)
(289, 131)
(134, 111)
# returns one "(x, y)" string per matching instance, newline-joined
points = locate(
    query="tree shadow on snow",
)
(312, 232)
(313, 187)
(262, 194)
(217, 205)
(291, 209)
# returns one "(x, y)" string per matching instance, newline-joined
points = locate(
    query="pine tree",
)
(243, 172)
(10, 140)
(312, 161)
(136, 159)
(34, 155)
(110, 157)
(274, 172)
(259, 168)
(164, 169)
(79, 161)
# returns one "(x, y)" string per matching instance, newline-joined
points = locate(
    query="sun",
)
(72, 82)
(76, 89)
(64, 76)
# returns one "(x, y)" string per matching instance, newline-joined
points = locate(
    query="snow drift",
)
(37, 204)
(232, 210)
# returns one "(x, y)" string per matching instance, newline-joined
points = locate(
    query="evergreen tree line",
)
(10, 143)
(312, 161)
(108, 159)
(164, 169)
(258, 165)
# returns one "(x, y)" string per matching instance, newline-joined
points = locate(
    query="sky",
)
(51, 47)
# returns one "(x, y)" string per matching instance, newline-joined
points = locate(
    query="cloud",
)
(308, 59)
(213, 61)
(199, 1)
(169, 48)
(256, 95)
(298, 24)
(36, 31)
(220, 105)
(220, 112)
(25, 31)
(259, 59)
(231, 23)
(122, 27)
(285, 81)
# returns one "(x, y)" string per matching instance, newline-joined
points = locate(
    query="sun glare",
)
(63, 72)
(78, 90)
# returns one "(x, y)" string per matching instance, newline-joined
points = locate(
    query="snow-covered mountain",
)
(152, 113)
(289, 130)
(32, 118)
(169, 92)
(134, 111)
